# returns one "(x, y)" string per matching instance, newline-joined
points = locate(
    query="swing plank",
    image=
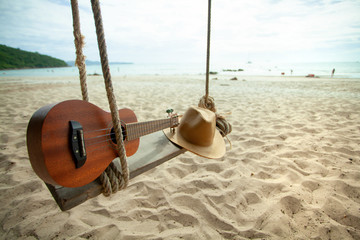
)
(154, 150)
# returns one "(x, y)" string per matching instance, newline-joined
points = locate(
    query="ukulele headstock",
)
(174, 118)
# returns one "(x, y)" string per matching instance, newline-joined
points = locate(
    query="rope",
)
(79, 44)
(222, 124)
(105, 183)
(107, 179)
(208, 52)
(113, 107)
(206, 101)
(80, 63)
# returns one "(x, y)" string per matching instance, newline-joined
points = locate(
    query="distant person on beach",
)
(332, 73)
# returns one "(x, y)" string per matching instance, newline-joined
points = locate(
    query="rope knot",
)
(208, 103)
(112, 180)
(221, 123)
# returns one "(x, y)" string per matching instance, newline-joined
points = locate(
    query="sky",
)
(164, 31)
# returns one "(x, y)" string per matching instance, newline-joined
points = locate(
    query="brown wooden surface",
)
(50, 149)
(154, 150)
(33, 141)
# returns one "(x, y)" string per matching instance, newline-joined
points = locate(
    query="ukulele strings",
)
(111, 134)
(97, 130)
(87, 140)
(99, 136)
(95, 143)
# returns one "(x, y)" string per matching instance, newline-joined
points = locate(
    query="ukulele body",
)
(50, 147)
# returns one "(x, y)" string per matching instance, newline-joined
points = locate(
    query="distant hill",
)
(12, 58)
(89, 62)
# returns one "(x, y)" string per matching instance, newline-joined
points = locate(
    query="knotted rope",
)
(222, 124)
(112, 179)
(122, 178)
(79, 44)
(206, 101)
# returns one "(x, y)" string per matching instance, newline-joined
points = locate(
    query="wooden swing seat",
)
(154, 150)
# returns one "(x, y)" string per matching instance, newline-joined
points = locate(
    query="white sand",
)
(293, 171)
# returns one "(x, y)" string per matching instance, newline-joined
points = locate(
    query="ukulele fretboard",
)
(136, 130)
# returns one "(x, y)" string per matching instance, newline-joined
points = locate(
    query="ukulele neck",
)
(139, 129)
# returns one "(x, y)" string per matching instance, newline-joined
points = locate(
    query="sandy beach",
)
(293, 171)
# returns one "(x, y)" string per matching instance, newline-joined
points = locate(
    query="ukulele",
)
(72, 142)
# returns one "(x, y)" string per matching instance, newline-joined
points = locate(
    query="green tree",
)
(12, 58)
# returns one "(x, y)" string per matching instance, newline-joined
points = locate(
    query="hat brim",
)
(216, 150)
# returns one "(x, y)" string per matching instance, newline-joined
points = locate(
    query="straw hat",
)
(197, 133)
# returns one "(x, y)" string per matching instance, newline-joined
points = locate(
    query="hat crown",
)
(197, 126)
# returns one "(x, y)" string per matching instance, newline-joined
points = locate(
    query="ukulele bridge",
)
(77, 143)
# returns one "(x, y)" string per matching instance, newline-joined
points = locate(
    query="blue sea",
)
(342, 69)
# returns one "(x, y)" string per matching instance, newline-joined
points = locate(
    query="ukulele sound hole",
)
(113, 137)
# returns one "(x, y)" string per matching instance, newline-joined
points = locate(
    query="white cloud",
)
(35, 26)
(175, 31)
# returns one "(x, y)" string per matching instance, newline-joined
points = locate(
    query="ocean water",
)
(342, 69)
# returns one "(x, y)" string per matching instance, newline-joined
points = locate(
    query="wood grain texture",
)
(33, 141)
(49, 145)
